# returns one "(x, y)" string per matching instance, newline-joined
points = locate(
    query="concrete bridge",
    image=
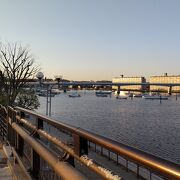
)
(46, 149)
(119, 85)
(103, 83)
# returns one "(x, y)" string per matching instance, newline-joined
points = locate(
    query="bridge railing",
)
(31, 151)
(76, 145)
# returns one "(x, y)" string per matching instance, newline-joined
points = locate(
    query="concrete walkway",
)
(5, 172)
(9, 170)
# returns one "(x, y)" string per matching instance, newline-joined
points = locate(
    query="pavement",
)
(9, 170)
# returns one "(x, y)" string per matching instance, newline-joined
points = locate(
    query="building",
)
(123, 79)
(164, 79)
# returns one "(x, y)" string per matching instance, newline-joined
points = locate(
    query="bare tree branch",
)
(17, 65)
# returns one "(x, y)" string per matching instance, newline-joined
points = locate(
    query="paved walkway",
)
(9, 170)
(5, 172)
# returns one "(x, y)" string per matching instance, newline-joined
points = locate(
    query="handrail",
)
(83, 159)
(16, 138)
(61, 168)
(154, 163)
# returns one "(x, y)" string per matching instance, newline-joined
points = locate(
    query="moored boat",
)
(103, 93)
(137, 95)
(45, 94)
(121, 97)
(156, 97)
(74, 95)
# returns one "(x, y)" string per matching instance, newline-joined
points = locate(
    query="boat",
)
(99, 93)
(55, 91)
(121, 97)
(102, 95)
(74, 95)
(137, 95)
(45, 94)
(156, 97)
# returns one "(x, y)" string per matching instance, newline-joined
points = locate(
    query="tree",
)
(27, 99)
(16, 67)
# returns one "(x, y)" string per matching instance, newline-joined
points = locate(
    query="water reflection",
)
(145, 124)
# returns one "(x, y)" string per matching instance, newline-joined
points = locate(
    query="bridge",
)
(47, 149)
(119, 85)
(103, 84)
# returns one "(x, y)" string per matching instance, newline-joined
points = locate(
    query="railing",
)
(28, 130)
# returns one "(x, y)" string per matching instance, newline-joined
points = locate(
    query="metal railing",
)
(35, 131)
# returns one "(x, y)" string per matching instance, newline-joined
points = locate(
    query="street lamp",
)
(40, 76)
(58, 78)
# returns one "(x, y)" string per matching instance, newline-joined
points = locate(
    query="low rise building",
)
(123, 79)
(164, 79)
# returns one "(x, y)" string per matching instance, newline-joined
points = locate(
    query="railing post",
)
(109, 155)
(117, 158)
(8, 130)
(9, 121)
(101, 150)
(126, 165)
(14, 113)
(1, 124)
(80, 145)
(20, 140)
(137, 171)
(150, 175)
(35, 164)
(35, 158)
(4, 122)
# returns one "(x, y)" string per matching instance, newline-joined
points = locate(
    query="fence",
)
(49, 149)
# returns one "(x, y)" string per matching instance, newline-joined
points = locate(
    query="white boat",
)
(157, 97)
(121, 97)
(137, 95)
(55, 91)
(103, 93)
(74, 95)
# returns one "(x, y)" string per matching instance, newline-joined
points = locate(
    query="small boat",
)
(99, 93)
(74, 95)
(137, 95)
(45, 94)
(102, 95)
(156, 97)
(55, 91)
(121, 97)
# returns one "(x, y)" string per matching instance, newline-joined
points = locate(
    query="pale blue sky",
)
(96, 39)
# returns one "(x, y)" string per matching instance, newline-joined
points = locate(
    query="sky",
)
(96, 39)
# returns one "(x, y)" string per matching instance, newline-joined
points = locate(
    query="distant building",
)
(123, 79)
(164, 79)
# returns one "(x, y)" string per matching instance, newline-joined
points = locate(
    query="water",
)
(144, 124)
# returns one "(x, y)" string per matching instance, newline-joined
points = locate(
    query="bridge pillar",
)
(118, 91)
(170, 90)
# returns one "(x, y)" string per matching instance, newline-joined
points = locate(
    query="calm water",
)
(145, 124)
